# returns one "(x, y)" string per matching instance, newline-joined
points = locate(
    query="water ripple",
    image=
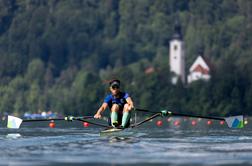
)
(73, 146)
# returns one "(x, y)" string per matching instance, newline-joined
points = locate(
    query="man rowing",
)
(120, 105)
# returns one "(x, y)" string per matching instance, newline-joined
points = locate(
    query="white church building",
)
(199, 69)
(177, 57)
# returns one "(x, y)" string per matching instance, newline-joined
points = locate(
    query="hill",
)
(55, 55)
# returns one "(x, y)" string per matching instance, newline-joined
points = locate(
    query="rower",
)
(120, 105)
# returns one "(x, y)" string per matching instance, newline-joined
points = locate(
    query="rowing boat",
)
(118, 132)
(110, 130)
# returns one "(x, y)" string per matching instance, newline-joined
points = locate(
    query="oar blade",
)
(14, 122)
(235, 121)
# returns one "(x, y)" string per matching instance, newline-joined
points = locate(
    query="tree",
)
(35, 72)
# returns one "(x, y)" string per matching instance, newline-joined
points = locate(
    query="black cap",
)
(114, 83)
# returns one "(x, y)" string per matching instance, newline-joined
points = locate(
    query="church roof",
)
(200, 65)
(200, 69)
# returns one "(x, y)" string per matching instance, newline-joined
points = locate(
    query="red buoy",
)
(176, 123)
(159, 123)
(52, 124)
(222, 122)
(85, 124)
(209, 122)
(194, 122)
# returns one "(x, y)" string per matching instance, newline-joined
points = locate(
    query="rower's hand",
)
(97, 116)
(132, 108)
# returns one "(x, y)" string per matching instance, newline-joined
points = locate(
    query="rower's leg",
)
(126, 115)
(114, 115)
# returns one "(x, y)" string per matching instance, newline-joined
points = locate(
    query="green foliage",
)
(56, 55)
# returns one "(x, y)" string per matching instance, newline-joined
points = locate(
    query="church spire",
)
(177, 31)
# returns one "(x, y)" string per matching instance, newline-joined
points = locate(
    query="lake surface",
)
(72, 144)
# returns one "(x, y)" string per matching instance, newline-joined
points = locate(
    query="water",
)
(146, 145)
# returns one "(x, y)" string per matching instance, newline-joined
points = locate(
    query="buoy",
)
(52, 124)
(209, 122)
(85, 124)
(169, 119)
(194, 122)
(176, 123)
(245, 121)
(159, 123)
(222, 122)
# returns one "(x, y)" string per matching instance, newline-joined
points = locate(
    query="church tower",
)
(177, 56)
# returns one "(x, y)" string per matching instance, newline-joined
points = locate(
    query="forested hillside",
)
(56, 55)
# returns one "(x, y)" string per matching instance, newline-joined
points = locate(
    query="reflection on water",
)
(123, 139)
(146, 145)
(13, 135)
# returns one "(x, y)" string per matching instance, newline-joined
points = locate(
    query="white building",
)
(177, 57)
(199, 70)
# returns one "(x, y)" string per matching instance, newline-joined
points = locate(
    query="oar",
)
(93, 123)
(15, 122)
(67, 118)
(232, 121)
(146, 120)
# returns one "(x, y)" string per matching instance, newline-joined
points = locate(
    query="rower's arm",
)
(101, 110)
(130, 102)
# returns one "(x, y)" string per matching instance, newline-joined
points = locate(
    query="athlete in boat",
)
(120, 104)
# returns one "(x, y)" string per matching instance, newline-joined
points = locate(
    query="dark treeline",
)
(57, 54)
